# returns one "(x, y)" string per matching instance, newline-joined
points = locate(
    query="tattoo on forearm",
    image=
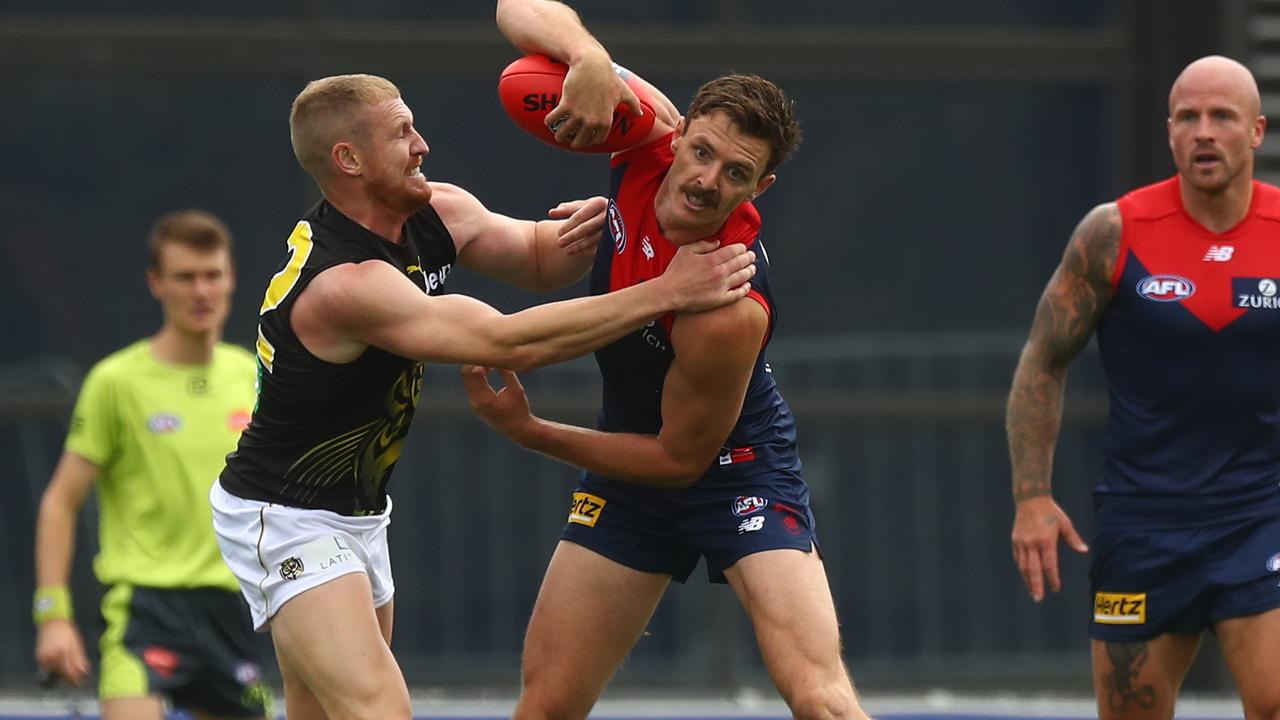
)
(1070, 308)
(1127, 660)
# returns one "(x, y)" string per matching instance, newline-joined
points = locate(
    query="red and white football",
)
(530, 87)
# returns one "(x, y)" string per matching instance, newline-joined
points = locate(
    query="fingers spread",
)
(510, 379)
(1033, 574)
(1072, 537)
(475, 379)
(1050, 555)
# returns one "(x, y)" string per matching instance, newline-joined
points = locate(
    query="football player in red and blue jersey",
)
(1178, 279)
(695, 454)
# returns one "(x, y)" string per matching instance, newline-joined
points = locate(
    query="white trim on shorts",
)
(278, 552)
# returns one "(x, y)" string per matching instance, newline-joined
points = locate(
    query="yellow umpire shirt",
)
(160, 434)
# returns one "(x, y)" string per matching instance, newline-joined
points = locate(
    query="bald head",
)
(329, 111)
(1221, 76)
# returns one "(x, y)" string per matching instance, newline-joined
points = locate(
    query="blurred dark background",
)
(949, 150)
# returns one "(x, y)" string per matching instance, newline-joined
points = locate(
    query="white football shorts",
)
(278, 552)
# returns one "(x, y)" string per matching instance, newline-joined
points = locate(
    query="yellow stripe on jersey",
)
(266, 351)
(282, 282)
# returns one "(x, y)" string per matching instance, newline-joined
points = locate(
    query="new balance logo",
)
(1219, 253)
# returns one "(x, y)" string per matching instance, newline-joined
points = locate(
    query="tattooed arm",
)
(1070, 308)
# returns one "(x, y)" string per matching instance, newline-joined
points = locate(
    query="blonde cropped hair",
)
(327, 111)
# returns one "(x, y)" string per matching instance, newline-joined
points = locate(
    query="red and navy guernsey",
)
(761, 448)
(1190, 345)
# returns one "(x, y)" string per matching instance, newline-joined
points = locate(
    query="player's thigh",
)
(299, 702)
(331, 640)
(386, 619)
(1246, 611)
(589, 613)
(787, 597)
(1139, 679)
(1251, 646)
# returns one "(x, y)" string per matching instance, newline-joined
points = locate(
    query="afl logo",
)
(745, 505)
(1273, 563)
(247, 673)
(1165, 288)
(617, 228)
(163, 423)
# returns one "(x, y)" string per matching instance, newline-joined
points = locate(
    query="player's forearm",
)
(55, 541)
(629, 457)
(555, 332)
(548, 27)
(1033, 420)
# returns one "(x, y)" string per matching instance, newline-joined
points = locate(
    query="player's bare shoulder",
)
(1080, 290)
(1095, 246)
(461, 212)
(720, 331)
(452, 202)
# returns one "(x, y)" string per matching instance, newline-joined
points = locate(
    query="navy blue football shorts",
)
(667, 531)
(1147, 582)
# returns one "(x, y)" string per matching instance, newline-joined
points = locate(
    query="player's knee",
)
(383, 708)
(823, 701)
(542, 698)
(374, 700)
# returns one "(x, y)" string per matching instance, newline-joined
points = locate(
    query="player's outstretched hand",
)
(505, 410)
(60, 651)
(703, 276)
(591, 92)
(1038, 524)
(579, 234)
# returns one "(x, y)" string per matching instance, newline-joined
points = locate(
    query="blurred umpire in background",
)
(1179, 280)
(153, 424)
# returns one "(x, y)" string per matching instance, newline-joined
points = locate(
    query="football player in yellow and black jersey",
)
(301, 509)
(152, 425)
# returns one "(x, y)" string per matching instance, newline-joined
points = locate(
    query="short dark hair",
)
(195, 229)
(755, 105)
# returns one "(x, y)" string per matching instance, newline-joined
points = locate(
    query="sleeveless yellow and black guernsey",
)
(326, 436)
